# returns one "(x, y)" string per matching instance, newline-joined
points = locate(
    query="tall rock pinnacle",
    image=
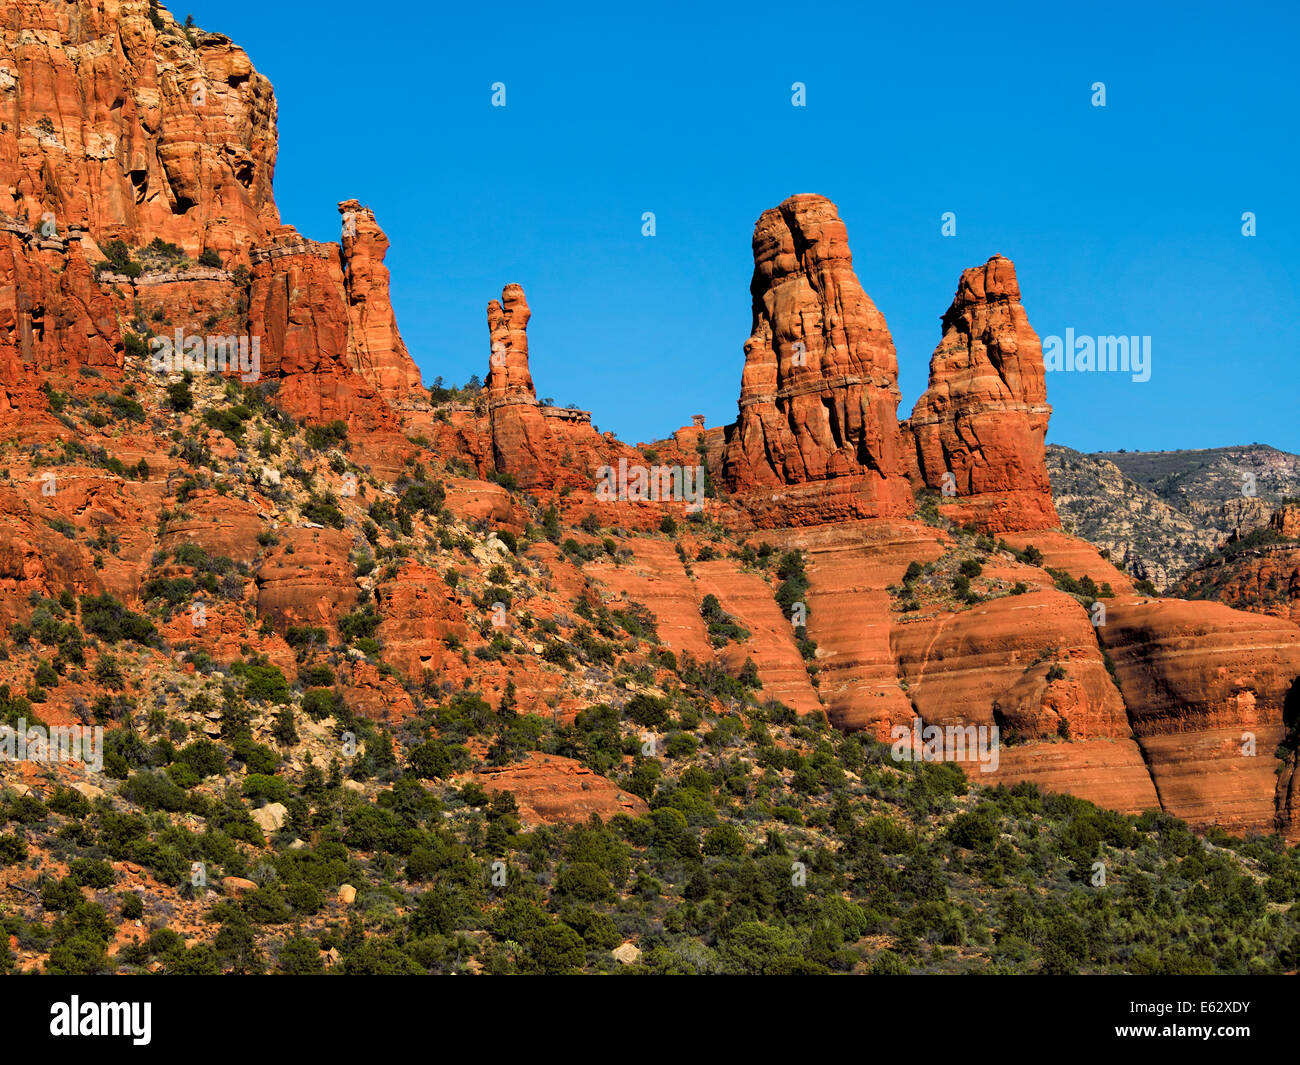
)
(509, 379)
(521, 444)
(375, 347)
(817, 438)
(984, 416)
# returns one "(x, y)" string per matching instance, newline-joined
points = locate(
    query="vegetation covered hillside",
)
(561, 793)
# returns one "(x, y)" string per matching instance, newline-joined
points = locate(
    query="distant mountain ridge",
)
(1159, 513)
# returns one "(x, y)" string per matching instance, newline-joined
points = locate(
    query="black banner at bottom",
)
(333, 1015)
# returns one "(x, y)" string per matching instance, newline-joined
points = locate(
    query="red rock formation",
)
(1263, 577)
(133, 132)
(771, 644)
(117, 130)
(984, 416)
(521, 444)
(817, 438)
(34, 558)
(373, 694)
(1110, 773)
(481, 501)
(418, 615)
(850, 567)
(1071, 555)
(656, 578)
(226, 635)
(375, 347)
(994, 664)
(1286, 521)
(298, 309)
(509, 377)
(552, 790)
(54, 317)
(1266, 581)
(220, 524)
(540, 447)
(306, 579)
(1204, 686)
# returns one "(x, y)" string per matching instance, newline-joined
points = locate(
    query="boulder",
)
(271, 817)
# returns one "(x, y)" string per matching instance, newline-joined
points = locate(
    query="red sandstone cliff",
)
(520, 439)
(133, 132)
(375, 347)
(115, 129)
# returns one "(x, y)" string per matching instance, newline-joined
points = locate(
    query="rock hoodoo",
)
(520, 438)
(983, 417)
(375, 347)
(817, 438)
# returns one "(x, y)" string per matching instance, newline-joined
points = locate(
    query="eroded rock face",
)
(133, 132)
(299, 309)
(418, 616)
(306, 579)
(1265, 582)
(123, 125)
(509, 377)
(1211, 692)
(819, 394)
(1028, 663)
(520, 440)
(771, 645)
(850, 568)
(980, 425)
(541, 447)
(221, 525)
(375, 347)
(54, 317)
(35, 559)
(117, 129)
(552, 790)
(1286, 521)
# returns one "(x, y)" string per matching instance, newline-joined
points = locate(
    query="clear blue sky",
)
(1121, 220)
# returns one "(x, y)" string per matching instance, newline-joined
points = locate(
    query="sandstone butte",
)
(115, 130)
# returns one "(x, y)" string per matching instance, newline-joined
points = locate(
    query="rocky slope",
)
(1258, 571)
(1158, 514)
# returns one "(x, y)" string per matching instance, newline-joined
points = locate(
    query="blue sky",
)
(1121, 220)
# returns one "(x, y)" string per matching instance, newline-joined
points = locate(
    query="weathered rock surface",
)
(818, 424)
(1211, 692)
(771, 645)
(375, 347)
(1071, 555)
(133, 132)
(221, 525)
(657, 579)
(521, 444)
(122, 125)
(298, 307)
(541, 447)
(992, 664)
(418, 617)
(552, 790)
(306, 579)
(850, 567)
(983, 418)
